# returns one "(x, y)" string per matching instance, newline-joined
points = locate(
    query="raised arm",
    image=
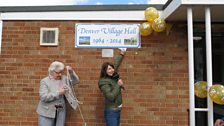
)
(119, 59)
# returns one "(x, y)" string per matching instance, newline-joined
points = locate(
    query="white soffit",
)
(202, 2)
(76, 15)
(177, 10)
(77, 12)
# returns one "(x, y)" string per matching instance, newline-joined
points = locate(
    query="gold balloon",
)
(216, 93)
(145, 29)
(159, 25)
(151, 14)
(200, 89)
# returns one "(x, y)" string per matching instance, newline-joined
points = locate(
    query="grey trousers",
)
(59, 119)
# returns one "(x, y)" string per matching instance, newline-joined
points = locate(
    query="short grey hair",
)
(56, 65)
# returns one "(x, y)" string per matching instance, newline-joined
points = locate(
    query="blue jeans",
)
(112, 117)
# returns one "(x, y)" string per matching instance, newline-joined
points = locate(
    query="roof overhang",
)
(172, 10)
(177, 10)
(77, 12)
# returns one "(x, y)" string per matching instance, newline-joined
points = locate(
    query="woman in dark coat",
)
(110, 85)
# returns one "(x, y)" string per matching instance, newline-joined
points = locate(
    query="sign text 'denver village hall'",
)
(107, 36)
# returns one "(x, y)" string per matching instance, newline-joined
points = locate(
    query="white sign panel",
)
(107, 36)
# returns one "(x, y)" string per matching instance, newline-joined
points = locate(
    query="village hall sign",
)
(107, 35)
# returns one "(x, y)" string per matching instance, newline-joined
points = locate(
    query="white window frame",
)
(56, 30)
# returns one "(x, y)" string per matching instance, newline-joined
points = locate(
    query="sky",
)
(74, 2)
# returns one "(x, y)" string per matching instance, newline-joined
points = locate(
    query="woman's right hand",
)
(219, 122)
(62, 90)
(120, 82)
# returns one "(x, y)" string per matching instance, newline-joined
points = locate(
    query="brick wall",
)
(155, 76)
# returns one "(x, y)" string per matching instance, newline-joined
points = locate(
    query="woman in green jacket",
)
(110, 85)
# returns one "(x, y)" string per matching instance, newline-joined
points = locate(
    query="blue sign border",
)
(78, 46)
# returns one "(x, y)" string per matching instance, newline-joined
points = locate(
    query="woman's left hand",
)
(123, 50)
(68, 67)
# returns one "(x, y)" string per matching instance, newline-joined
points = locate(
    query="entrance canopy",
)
(176, 10)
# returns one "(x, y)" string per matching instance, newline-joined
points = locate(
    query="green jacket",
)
(110, 88)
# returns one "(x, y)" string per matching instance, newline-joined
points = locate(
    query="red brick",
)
(155, 76)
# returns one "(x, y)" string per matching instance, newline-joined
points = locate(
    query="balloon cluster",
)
(215, 92)
(153, 22)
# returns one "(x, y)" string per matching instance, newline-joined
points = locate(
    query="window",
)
(49, 36)
(200, 68)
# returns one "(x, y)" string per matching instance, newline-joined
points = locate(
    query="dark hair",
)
(103, 72)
